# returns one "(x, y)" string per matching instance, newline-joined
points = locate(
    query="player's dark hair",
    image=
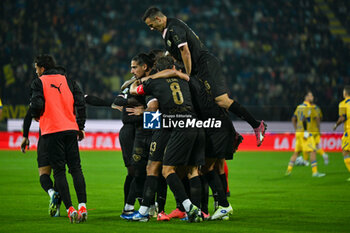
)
(305, 93)
(156, 53)
(152, 12)
(179, 66)
(347, 89)
(164, 63)
(142, 59)
(46, 61)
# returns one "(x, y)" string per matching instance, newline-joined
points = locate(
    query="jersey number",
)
(177, 94)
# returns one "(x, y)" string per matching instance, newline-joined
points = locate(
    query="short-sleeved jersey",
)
(302, 112)
(177, 34)
(344, 110)
(312, 125)
(173, 95)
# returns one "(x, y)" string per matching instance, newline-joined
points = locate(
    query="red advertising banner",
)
(110, 141)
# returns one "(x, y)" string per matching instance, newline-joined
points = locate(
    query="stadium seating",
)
(269, 52)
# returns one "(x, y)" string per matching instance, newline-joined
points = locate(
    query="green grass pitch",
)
(263, 199)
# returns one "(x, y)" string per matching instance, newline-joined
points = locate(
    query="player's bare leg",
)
(291, 162)
(313, 160)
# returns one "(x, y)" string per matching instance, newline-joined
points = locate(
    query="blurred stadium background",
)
(271, 51)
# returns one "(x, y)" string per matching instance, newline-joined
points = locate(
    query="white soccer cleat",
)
(153, 211)
(222, 212)
(318, 174)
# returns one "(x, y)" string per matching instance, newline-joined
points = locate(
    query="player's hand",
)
(120, 108)
(135, 111)
(183, 76)
(81, 135)
(138, 81)
(24, 144)
(335, 127)
(306, 134)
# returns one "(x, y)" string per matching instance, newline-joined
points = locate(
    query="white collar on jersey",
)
(164, 32)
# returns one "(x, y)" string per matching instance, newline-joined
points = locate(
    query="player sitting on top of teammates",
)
(304, 141)
(313, 126)
(344, 117)
(186, 47)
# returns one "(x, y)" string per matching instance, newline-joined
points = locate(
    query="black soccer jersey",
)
(173, 95)
(176, 34)
(137, 101)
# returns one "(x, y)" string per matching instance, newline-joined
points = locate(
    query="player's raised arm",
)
(186, 58)
(97, 101)
(127, 83)
(136, 88)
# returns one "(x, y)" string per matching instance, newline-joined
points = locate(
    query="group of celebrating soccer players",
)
(184, 81)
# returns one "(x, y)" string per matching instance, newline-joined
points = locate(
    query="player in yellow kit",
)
(313, 125)
(304, 141)
(344, 115)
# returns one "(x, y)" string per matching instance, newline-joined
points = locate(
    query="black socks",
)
(46, 182)
(242, 112)
(216, 187)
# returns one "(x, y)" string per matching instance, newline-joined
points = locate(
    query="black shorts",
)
(126, 139)
(63, 149)
(197, 157)
(42, 152)
(160, 139)
(141, 147)
(209, 70)
(178, 151)
(203, 100)
(220, 141)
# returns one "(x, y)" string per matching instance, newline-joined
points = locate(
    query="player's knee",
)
(193, 172)
(220, 166)
(224, 101)
(167, 170)
(45, 170)
(209, 165)
(152, 169)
